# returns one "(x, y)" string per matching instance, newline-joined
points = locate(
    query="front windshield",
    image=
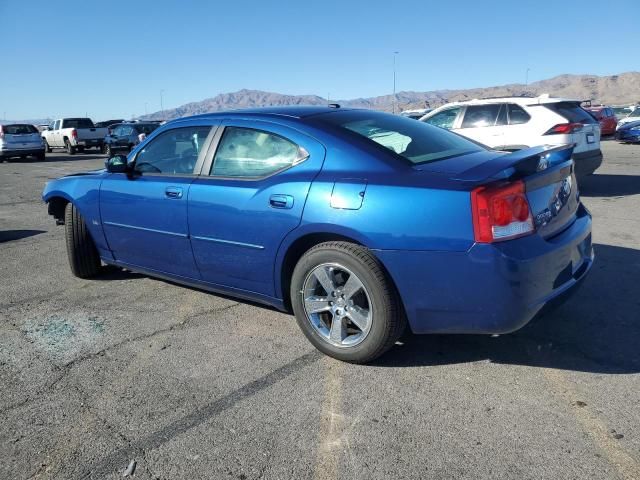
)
(417, 142)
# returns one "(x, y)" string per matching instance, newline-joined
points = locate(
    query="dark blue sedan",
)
(629, 132)
(358, 222)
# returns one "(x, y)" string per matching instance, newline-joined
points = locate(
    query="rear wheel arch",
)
(303, 244)
(296, 250)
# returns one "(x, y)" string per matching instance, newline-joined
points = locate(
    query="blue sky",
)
(111, 58)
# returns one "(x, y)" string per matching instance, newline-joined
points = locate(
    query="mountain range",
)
(622, 89)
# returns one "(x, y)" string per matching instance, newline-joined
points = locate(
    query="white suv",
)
(515, 123)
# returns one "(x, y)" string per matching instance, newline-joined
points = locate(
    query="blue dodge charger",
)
(358, 222)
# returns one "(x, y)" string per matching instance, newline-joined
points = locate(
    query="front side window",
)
(444, 119)
(174, 151)
(117, 132)
(481, 116)
(517, 114)
(249, 153)
(416, 142)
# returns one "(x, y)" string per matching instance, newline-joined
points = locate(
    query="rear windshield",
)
(596, 113)
(19, 129)
(77, 123)
(146, 128)
(417, 142)
(572, 111)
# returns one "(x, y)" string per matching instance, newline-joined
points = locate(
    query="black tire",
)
(71, 150)
(84, 259)
(47, 148)
(388, 320)
(41, 157)
(107, 150)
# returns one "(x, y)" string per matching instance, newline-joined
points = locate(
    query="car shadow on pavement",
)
(10, 235)
(596, 330)
(604, 185)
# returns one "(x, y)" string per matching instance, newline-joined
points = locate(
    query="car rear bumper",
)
(94, 142)
(17, 152)
(587, 162)
(491, 288)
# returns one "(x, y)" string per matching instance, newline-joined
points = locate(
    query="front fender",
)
(84, 192)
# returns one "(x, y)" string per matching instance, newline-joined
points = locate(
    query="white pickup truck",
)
(73, 134)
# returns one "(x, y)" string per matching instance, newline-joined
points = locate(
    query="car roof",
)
(540, 100)
(295, 111)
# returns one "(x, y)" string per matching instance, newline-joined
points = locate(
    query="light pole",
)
(162, 104)
(394, 81)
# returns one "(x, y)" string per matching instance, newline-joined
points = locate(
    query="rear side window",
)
(249, 153)
(572, 111)
(517, 114)
(444, 119)
(481, 116)
(416, 142)
(77, 123)
(19, 129)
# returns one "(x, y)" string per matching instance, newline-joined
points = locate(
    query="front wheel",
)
(84, 259)
(47, 148)
(107, 149)
(345, 303)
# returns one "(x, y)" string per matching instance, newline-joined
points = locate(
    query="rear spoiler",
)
(525, 162)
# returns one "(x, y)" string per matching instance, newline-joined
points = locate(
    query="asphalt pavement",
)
(95, 374)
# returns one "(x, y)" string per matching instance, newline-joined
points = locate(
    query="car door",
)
(124, 139)
(484, 123)
(248, 197)
(113, 137)
(144, 213)
(518, 134)
(56, 137)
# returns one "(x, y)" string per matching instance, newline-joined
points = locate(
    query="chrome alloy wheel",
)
(337, 305)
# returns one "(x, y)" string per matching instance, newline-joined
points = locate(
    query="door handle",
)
(173, 192)
(281, 201)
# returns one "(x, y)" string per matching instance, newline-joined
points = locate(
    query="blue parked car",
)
(359, 222)
(629, 132)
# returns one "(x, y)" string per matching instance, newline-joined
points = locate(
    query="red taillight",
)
(500, 213)
(74, 133)
(564, 128)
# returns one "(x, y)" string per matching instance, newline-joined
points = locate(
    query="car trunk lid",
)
(549, 179)
(547, 173)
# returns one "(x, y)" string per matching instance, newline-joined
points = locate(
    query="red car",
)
(606, 117)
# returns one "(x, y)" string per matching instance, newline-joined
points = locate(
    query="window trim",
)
(199, 162)
(499, 105)
(456, 121)
(215, 144)
(509, 124)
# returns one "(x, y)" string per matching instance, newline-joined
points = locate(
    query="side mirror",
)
(117, 164)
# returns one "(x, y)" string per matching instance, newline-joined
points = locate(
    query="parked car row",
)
(517, 123)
